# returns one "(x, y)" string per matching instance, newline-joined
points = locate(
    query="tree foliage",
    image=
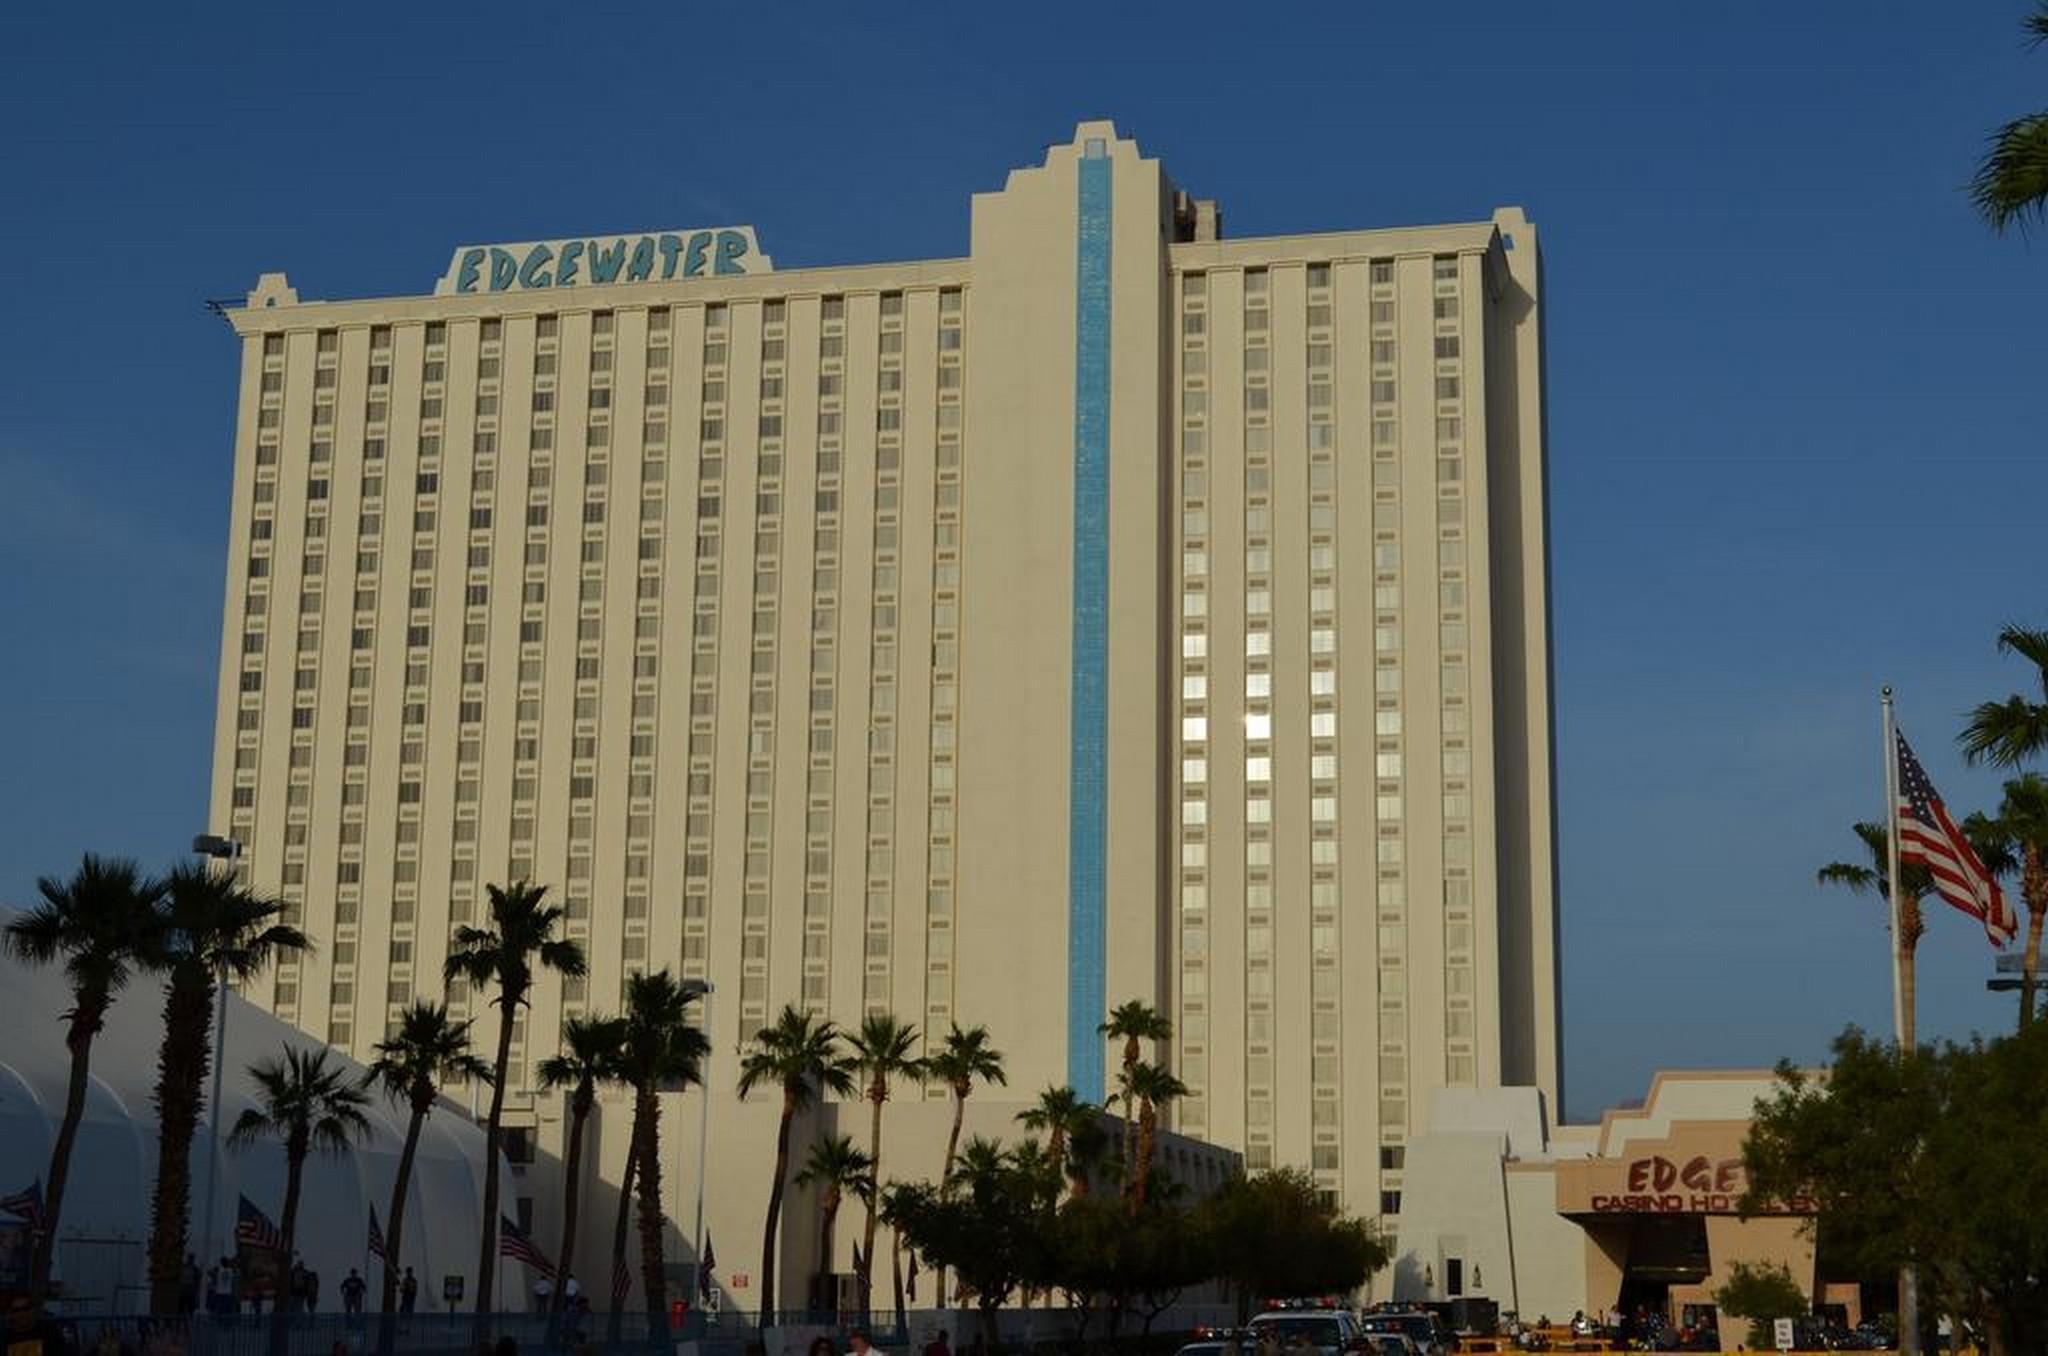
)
(1930, 1160)
(1285, 1239)
(1761, 1293)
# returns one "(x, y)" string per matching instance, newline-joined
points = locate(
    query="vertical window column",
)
(819, 803)
(1325, 951)
(1191, 1022)
(1389, 864)
(882, 691)
(419, 650)
(765, 656)
(1258, 720)
(1454, 657)
(945, 679)
(704, 645)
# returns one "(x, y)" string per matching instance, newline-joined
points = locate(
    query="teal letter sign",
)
(603, 261)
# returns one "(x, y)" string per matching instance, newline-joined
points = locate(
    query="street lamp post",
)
(230, 850)
(701, 988)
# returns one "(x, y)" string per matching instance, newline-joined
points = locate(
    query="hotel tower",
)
(1121, 611)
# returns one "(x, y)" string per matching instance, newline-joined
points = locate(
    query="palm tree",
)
(412, 1063)
(1154, 1086)
(1087, 1147)
(882, 1052)
(214, 931)
(658, 1052)
(800, 1055)
(965, 1058)
(311, 1106)
(619, 1223)
(2010, 732)
(2012, 180)
(836, 1167)
(102, 923)
(1872, 879)
(2017, 840)
(520, 937)
(1131, 1023)
(896, 1206)
(1058, 1114)
(591, 1047)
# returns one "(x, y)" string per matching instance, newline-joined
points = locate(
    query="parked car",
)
(1330, 1331)
(1418, 1326)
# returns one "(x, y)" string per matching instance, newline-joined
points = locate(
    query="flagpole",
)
(1909, 1289)
(1894, 900)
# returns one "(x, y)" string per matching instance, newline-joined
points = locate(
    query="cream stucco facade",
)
(1118, 612)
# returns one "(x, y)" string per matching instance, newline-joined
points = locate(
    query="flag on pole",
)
(377, 1240)
(520, 1248)
(1929, 838)
(910, 1280)
(622, 1282)
(254, 1229)
(706, 1266)
(27, 1205)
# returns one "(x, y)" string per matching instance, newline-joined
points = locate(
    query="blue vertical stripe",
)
(1088, 767)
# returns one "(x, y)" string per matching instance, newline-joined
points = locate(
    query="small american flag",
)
(377, 1239)
(254, 1229)
(26, 1204)
(520, 1248)
(1928, 836)
(622, 1282)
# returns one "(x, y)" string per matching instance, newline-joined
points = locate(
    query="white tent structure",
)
(103, 1240)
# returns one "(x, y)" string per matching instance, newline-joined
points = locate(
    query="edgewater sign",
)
(603, 261)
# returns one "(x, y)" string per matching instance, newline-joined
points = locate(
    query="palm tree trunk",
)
(2034, 892)
(282, 1299)
(394, 1237)
(487, 1250)
(775, 1211)
(867, 1241)
(1126, 1147)
(896, 1274)
(1148, 1130)
(572, 1184)
(2030, 965)
(946, 1180)
(647, 1139)
(182, 1062)
(1056, 1156)
(88, 1007)
(830, 1217)
(619, 1233)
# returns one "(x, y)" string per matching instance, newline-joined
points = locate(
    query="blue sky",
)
(1795, 388)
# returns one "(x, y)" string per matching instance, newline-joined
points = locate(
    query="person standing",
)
(352, 1290)
(408, 1292)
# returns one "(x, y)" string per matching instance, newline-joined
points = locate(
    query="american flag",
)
(254, 1229)
(518, 1247)
(377, 1239)
(1928, 836)
(707, 1269)
(622, 1281)
(26, 1205)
